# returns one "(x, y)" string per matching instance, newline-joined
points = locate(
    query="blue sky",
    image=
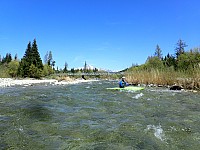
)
(110, 34)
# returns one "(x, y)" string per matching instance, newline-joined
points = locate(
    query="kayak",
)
(128, 88)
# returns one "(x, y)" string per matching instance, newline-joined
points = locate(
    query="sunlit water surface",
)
(88, 116)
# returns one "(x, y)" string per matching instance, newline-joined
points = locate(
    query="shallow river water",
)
(87, 116)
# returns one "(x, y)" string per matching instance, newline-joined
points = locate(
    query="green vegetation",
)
(29, 66)
(183, 70)
(13, 68)
(4, 71)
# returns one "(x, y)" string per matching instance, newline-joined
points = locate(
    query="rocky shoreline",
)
(9, 82)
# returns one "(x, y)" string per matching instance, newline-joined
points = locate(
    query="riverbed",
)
(88, 116)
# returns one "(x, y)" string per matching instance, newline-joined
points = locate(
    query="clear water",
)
(86, 116)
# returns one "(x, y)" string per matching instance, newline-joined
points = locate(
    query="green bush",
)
(13, 68)
(4, 71)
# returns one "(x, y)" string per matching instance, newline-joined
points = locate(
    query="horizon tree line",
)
(182, 60)
(31, 64)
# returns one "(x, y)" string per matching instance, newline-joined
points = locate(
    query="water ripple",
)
(87, 116)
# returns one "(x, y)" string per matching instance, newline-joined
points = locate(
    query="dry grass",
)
(188, 80)
(63, 78)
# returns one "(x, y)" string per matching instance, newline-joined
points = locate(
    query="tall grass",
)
(167, 77)
(192, 81)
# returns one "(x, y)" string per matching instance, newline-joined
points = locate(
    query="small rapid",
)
(88, 116)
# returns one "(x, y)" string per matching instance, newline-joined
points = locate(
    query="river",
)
(88, 116)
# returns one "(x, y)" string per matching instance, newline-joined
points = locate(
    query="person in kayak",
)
(123, 83)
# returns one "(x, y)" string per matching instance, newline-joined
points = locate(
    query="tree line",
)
(31, 64)
(181, 60)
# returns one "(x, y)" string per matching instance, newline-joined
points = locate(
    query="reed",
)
(167, 77)
(63, 78)
(193, 79)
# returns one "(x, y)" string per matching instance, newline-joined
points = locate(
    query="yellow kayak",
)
(128, 88)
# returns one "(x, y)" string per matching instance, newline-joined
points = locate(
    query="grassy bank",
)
(188, 80)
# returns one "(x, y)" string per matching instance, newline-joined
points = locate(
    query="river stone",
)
(176, 87)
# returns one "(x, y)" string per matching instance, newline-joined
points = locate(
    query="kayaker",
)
(83, 77)
(123, 83)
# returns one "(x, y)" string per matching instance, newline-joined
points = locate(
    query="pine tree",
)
(48, 59)
(25, 62)
(23, 68)
(36, 60)
(65, 68)
(85, 67)
(31, 59)
(7, 59)
(15, 57)
(169, 61)
(158, 52)
(180, 49)
(28, 55)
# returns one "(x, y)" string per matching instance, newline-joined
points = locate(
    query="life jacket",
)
(122, 84)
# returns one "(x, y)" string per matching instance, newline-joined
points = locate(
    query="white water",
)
(137, 96)
(88, 116)
(158, 131)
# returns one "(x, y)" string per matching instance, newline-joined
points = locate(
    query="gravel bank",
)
(7, 82)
